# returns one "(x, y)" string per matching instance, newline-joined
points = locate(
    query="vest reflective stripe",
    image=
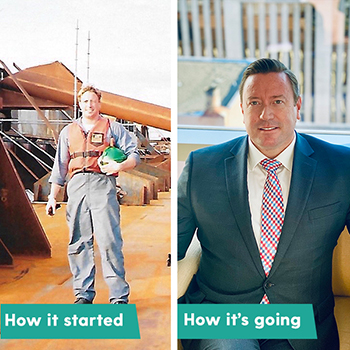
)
(86, 148)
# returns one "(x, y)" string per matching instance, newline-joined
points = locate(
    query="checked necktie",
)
(272, 216)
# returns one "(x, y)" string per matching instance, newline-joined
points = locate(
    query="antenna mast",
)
(76, 70)
(88, 59)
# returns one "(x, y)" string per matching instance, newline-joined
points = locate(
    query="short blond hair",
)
(90, 88)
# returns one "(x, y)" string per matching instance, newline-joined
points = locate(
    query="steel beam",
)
(21, 231)
(6, 258)
(30, 100)
(55, 82)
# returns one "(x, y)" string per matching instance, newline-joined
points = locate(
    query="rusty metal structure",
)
(21, 232)
(50, 87)
(54, 82)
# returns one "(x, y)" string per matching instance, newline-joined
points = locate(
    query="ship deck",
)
(146, 234)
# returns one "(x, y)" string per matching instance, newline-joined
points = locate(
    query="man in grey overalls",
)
(92, 209)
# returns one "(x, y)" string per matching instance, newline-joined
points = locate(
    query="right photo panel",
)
(263, 175)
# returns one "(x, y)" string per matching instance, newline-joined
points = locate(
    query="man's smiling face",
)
(270, 112)
(90, 105)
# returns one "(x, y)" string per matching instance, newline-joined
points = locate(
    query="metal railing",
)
(40, 161)
(300, 34)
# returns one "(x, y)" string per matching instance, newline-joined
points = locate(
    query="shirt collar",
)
(286, 157)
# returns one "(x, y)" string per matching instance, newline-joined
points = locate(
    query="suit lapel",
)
(236, 184)
(303, 174)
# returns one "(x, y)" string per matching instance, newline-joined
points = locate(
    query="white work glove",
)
(111, 168)
(51, 206)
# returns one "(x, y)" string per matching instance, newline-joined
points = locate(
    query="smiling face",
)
(90, 105)
(269, 112)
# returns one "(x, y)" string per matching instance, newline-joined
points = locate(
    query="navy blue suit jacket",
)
(213, 198)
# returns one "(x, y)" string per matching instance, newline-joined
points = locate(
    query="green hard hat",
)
(112, 153)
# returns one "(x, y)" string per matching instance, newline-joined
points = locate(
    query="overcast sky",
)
(129, 48)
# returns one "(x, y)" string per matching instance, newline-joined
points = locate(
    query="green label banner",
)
(67, 321)
(246, 321)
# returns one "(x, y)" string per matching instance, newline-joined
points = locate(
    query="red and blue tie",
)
(272, 216)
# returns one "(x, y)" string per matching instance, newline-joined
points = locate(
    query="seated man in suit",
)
(302, 181)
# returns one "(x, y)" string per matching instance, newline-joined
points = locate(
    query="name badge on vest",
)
(97, 138)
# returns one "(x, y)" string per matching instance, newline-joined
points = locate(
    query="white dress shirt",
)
(256, 176)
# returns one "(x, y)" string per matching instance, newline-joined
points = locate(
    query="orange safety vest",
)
(84, 148)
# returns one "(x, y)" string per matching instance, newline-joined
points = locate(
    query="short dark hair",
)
(269, 65)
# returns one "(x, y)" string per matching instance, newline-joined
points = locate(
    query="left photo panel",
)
(85, 175)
